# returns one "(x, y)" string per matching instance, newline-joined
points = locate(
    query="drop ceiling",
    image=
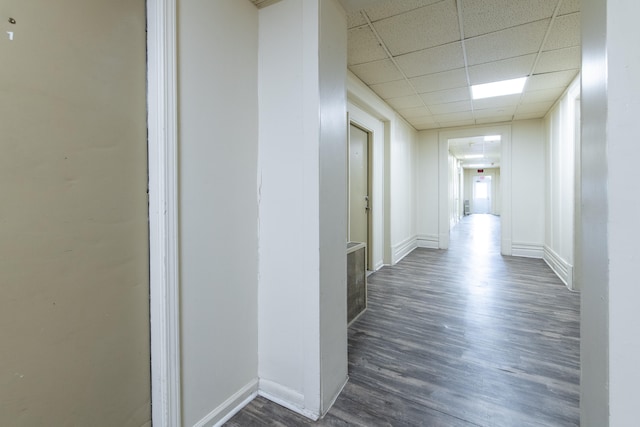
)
(476, 152)
(422, 56)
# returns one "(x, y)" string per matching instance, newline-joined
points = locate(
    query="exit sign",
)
(480, 170)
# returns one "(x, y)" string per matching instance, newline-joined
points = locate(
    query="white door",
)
(482, 195)
(358, 185)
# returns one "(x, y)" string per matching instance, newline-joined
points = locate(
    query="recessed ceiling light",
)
(504, 87)
(473, 156)
(489, 138)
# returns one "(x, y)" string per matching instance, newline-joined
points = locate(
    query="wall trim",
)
(163, 213)
(284, 396)
(403, 248)
(429, 241)
(563, 269)
(527, 250)
(231, 406)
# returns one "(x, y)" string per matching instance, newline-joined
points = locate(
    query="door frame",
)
(505, 181)
(369, 242)
(162, 143)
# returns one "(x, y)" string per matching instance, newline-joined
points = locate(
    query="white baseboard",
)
(429, 241)
(563, 269)
(505, 247)
(403, 249)
(230, 407)
(527, 250)
(378, 265)
(286, 397)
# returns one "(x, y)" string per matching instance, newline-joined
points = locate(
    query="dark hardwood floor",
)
(463, 337)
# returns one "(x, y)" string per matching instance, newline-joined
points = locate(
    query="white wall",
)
(560, 155)
(218, 102)
(333, 200)
(427, 190)
(528, 188)
(403, 188)
(610, 109)
(594, 319)
(623, 151)
(302, 199)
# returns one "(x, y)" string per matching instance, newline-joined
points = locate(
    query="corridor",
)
(463, 337)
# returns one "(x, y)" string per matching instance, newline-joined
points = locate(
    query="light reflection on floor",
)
(476, 239)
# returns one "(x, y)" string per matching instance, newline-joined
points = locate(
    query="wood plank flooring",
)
(463, 337)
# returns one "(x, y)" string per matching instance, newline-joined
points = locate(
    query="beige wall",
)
(74, 286)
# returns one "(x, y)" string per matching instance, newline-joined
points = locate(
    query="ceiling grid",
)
(422, 56)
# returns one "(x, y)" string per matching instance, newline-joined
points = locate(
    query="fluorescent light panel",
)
(501, 88)
(473, 156)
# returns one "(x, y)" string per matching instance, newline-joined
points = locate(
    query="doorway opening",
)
(482, 194)
(473, 180)
(359, 190)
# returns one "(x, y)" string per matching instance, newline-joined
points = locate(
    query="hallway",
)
(463, 337)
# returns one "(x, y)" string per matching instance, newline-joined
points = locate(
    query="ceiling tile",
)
(503, 38)
(427, 126)
(420, 29)
(505, 69)
(451, 107)
(395, 7)
(453, 117)
(440, 81)
(355, 19)
(496, 102)
(569, 6)
(393, 89)
(550, 80)
(528, 116)
(457, 123)
(487, 16)
(565, 32)
(430, 61)
(544, 95)
(363, 46)
(413, 113)
(404, 102)
(377, 72)
(446, 96)
(492, 112)
(537, 107)
(421, 121)
(517, 41)
(558, 60)
(493, 119)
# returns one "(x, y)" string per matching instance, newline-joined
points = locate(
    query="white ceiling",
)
(476, 152)
(422, 56)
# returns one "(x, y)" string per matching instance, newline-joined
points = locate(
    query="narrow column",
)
(302, 204)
